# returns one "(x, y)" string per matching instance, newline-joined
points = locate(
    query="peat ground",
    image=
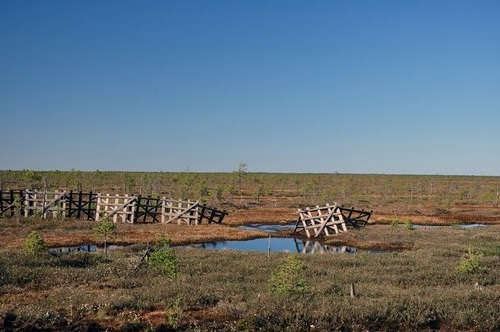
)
(416, 287)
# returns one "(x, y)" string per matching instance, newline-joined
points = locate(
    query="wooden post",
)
(117, 204)
(97, 207)
(163, 210)
(91, 196)
(54, 210)
(201, 214)
(352, 290)
(12, 208)
(124, 210)
(180, 209)
(196, 215)
(70, 204)
(35, 202)
(63, 212)
(133, 209)
(269, 247)
(44, 202)
(26, 204)
(106, 207)
(211, 218)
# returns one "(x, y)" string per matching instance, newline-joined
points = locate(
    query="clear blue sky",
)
(301, 86)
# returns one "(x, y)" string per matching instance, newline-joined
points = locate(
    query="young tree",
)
(218, 193)
(203, 191)
(261, 190)
(242, 171)
(105, 229)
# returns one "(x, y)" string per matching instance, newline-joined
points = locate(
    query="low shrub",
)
(289, 277)
(408, 225)
(34, 244)
(163, 259)
(470, 263)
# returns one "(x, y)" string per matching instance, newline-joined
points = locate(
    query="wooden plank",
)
(89, 211)
(120, 207)
(12, 203)
(115, 215)
(210, 219)
(98, 207)
(304, 224)
(315, 208)
(202, 213)
(163, 210)
(51, 203)
(182, 213)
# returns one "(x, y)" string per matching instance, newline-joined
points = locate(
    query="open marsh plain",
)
(405, 277)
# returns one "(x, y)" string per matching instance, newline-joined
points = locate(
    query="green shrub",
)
(163, 259)
(34, 244)
(289, 277)
(408, 225)
(470, 263)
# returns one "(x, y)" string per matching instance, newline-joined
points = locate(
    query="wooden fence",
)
(329, 220)
(96, 206)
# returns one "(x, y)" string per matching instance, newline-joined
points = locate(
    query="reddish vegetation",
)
(280, 214)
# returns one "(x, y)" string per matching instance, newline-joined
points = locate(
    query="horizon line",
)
(254, 172)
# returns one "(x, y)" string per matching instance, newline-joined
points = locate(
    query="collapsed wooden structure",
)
(96, 206)
(329, 220)
(355, 218)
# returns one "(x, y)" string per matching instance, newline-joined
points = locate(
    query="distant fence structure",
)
(96, 206)
(329, 220)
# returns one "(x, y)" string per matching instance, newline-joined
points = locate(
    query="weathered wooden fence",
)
(355, 218)
(11, 202)
(329, 220)
(95, 206)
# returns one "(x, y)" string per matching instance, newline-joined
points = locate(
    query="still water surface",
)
(275, 244)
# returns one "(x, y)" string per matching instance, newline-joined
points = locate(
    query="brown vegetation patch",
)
(260, 215)
(436, 219)
(74, 232)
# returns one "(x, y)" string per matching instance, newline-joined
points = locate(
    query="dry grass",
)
(389, 237)
(416, 289)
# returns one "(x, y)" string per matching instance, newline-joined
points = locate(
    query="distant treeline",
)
(279, 189)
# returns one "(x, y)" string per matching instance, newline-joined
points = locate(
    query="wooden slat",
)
(182, 213)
